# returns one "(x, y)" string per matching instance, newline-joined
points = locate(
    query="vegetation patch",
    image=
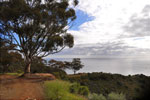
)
(116, 96)
(95, 96)
(111, 96)
(59, 90)
(15, 74)
(134, 87)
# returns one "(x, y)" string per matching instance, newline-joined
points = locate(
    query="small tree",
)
(36, 27)
(76, 65)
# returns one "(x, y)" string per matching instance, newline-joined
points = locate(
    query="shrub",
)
(116, 96)
(96, 97)
(60, 74)
(74, 88)
(77, 89)
(83, 90)
(59, 90)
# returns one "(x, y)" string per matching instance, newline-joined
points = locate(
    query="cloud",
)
(109, 18)
(139, 42)
(118, 27)
(117, 48)
(139, 24)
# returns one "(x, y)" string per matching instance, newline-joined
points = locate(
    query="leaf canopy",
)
(37, 27)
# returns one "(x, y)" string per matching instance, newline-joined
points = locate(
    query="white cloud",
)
(104, 49)
(139, 42)
(139, 24)
(114, 21)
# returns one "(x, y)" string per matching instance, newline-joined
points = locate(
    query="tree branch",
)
(44, 55)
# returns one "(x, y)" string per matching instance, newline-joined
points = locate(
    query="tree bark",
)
(27, 68)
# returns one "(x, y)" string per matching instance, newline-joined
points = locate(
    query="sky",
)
(111, 28)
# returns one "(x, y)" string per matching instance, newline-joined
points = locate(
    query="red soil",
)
(14, 88)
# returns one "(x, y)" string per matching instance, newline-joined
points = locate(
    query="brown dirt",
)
(14, 88)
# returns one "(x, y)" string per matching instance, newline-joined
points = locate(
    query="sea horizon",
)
(124, 65)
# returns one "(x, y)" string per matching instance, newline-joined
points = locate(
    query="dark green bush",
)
(83, 90)
(74, 88)
(133, 87)
(77, 89)
(60, 74)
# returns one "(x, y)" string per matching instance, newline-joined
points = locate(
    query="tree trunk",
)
(27, 68)
(74, 72)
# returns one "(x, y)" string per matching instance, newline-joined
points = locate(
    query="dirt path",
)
(13, 88)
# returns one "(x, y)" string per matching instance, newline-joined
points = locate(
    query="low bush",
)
(74, 88)
(59, 90)
(77, 89)
(111, 96)
(60, 74)
(116, 96)
(95, 96)
(83, 90)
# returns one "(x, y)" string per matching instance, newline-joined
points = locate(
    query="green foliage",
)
(59, 90)
(36, 29)
(10, 61)
(15, 74)
(83, 90)
(111, 96)
(96, 97)
(60, 74)
(57, 64)
(76, 64)
(77, 89)
(74, 88)
(116, 96)
(136, 87)
(38, 66)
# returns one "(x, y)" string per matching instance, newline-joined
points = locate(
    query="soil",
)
(15, 88)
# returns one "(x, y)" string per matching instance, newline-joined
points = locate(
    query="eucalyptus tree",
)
(37, 28)
(76, 65)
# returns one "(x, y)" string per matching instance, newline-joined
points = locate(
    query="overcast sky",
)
(111, 27)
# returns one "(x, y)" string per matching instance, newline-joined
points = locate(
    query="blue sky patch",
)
(82, 17)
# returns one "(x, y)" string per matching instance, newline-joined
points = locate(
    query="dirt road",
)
(13, 88)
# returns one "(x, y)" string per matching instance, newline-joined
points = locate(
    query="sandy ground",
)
(14, 88)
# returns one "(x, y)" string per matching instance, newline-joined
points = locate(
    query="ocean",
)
(117, 65)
